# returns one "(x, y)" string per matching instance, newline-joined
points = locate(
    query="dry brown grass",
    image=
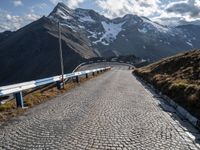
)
(178, 77)
(31, 99)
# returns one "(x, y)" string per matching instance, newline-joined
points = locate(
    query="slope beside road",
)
(112, 111)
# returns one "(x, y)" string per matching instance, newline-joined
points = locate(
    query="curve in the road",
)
(112, 111)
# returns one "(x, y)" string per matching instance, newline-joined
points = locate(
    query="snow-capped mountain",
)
(130, 34)
(32, 52)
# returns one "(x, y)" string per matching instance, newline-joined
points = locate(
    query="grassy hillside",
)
(178, 77)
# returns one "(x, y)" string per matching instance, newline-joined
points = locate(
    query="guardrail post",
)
(77, 79)
(19, 99)
(60, 85)
(86, 75)
(93, 73)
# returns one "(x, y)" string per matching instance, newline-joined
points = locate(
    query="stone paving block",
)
(112, 111)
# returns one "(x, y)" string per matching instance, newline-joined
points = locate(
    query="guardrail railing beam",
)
(17, 89)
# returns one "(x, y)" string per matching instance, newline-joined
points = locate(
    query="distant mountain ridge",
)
(130, 34)
(32, 52)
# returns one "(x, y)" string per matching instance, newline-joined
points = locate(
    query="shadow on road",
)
(191, 130)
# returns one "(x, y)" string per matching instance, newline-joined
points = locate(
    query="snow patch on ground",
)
(111, 29)
(152, 26)
(143, 30)
(116, 52)
(69, 26)
(86, 19)
(62, 15)
(97, 52)
(190, 44)
(105, 43)
(111, 32)
(81, 27)
(92, 34)
(143, 60)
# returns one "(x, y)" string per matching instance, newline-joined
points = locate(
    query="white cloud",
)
(55, 1)
(74, 3)
(14, 22)
(179, 12)
(31, 17)
(187, 8)
(17, 3)
(69, 3)
(40, 6)
(170, 12)
(113, 8)
(197, 3)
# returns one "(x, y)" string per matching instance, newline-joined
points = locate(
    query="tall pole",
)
(61, 55)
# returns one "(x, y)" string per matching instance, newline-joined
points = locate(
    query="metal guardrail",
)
(130, 65)
(18, 88)
(82, 64)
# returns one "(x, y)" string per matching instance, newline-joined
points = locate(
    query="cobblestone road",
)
(112, 111)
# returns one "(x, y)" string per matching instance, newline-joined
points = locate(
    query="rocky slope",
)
(128, 35)
(5, 35)
(32, 52)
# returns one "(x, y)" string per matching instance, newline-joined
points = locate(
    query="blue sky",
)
(26, 6)
(14, 14)
(40, 7)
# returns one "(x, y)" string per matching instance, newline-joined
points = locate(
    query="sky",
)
(15, 14)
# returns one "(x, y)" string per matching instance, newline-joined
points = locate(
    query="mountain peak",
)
(62, 5)
(101, 31)
(61, 11)
(128, 16)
